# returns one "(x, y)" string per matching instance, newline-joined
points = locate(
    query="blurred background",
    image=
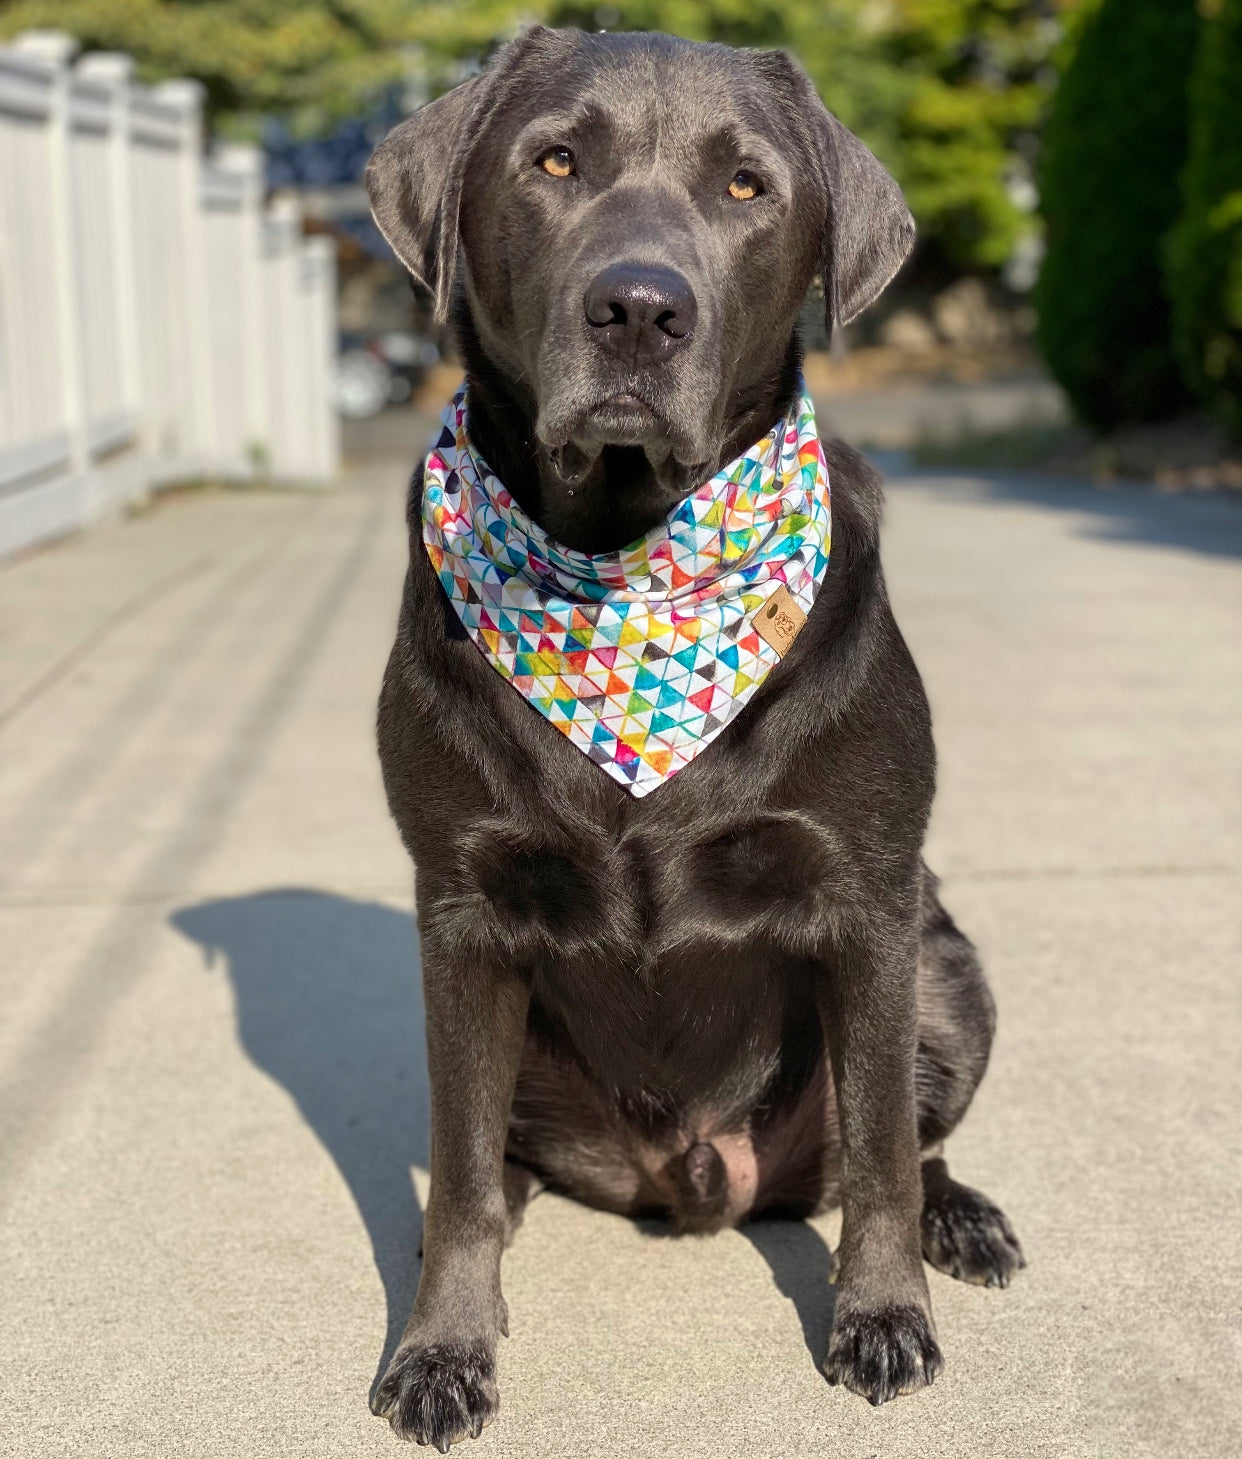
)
(1075, 167)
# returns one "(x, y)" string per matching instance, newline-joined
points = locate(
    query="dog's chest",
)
(644, 891)
(659, 954)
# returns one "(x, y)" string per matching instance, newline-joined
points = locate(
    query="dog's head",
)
(633, 222)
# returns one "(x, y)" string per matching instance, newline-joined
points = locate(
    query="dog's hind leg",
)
(963, 1232)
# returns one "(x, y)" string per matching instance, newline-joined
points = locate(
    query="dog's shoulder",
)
(857, 489)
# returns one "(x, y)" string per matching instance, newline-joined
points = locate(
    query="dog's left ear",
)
(414, 177)
(868, 231)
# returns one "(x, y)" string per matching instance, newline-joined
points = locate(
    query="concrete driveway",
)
(212, 1094)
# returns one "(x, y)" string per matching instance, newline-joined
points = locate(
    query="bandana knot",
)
(639, 657)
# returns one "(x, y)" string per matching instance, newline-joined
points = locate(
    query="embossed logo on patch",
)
(779, 621)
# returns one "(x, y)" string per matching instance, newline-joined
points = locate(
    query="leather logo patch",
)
(779, 621)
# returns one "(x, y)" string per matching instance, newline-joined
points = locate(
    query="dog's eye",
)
(557, 161)
(744, 187)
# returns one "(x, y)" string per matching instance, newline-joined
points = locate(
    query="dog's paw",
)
(882, 1352)
(968, 1237)
(438, 1393)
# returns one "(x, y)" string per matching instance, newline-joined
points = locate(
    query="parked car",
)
(376, 370)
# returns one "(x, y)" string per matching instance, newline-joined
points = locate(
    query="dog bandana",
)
(639, 657)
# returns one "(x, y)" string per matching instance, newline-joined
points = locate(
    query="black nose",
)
(640, 311)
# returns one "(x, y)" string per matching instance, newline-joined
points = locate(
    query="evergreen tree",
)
(1205, 253)
(1115, 145)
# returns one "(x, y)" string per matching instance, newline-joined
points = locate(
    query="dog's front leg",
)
(883, 1339)
(441, 1383)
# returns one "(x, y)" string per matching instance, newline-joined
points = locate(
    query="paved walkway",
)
(211, 1087)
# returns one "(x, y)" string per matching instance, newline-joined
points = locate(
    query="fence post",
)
(55, 49)
(287, 363)
(247, 162)
(320, 256)
(114, 71)
(187, 96)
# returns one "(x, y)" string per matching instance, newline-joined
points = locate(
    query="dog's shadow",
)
(802, 1266)
(329, 1005)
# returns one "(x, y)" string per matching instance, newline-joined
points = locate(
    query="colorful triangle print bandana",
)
(639, 657)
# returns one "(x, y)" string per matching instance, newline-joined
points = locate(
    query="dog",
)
(738, 996)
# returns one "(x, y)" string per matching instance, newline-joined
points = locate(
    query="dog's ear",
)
(867, 231)
(414, 177)
(410, 179)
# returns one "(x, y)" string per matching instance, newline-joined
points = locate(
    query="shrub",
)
(1115, 146)
(1205, 250)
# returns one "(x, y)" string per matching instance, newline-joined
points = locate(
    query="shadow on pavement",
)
(1209, 523)
(801, 1266)
(329, 1005)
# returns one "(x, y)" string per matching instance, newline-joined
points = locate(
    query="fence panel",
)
(228, 228)
(34, 434)
(156, 321)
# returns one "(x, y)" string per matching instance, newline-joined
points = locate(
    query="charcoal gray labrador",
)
(738, 996)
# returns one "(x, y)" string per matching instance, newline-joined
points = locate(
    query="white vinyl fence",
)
(157, 322)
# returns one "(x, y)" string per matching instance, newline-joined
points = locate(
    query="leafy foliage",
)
(317, 60)
(1205, 252)
(949, 93)
(1115, 144)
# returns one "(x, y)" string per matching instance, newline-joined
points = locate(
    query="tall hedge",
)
(1205, 252)
(1114, 149)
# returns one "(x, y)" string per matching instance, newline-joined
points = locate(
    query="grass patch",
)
(1018, 448)
(1190, 454)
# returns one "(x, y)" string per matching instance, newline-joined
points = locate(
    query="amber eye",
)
(744, 187)
(557, 161)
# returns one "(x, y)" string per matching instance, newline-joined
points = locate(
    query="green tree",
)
(1114, 145)
(1205, 251)
(948, 93)
(315, 60)
(956, 107)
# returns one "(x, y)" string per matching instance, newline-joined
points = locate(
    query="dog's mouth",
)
(623, 419)
(629, 419)
(624, 411)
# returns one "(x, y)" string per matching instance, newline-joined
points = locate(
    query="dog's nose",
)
(641, 311)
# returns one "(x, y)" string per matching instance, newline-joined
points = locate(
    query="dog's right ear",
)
(414, 177)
